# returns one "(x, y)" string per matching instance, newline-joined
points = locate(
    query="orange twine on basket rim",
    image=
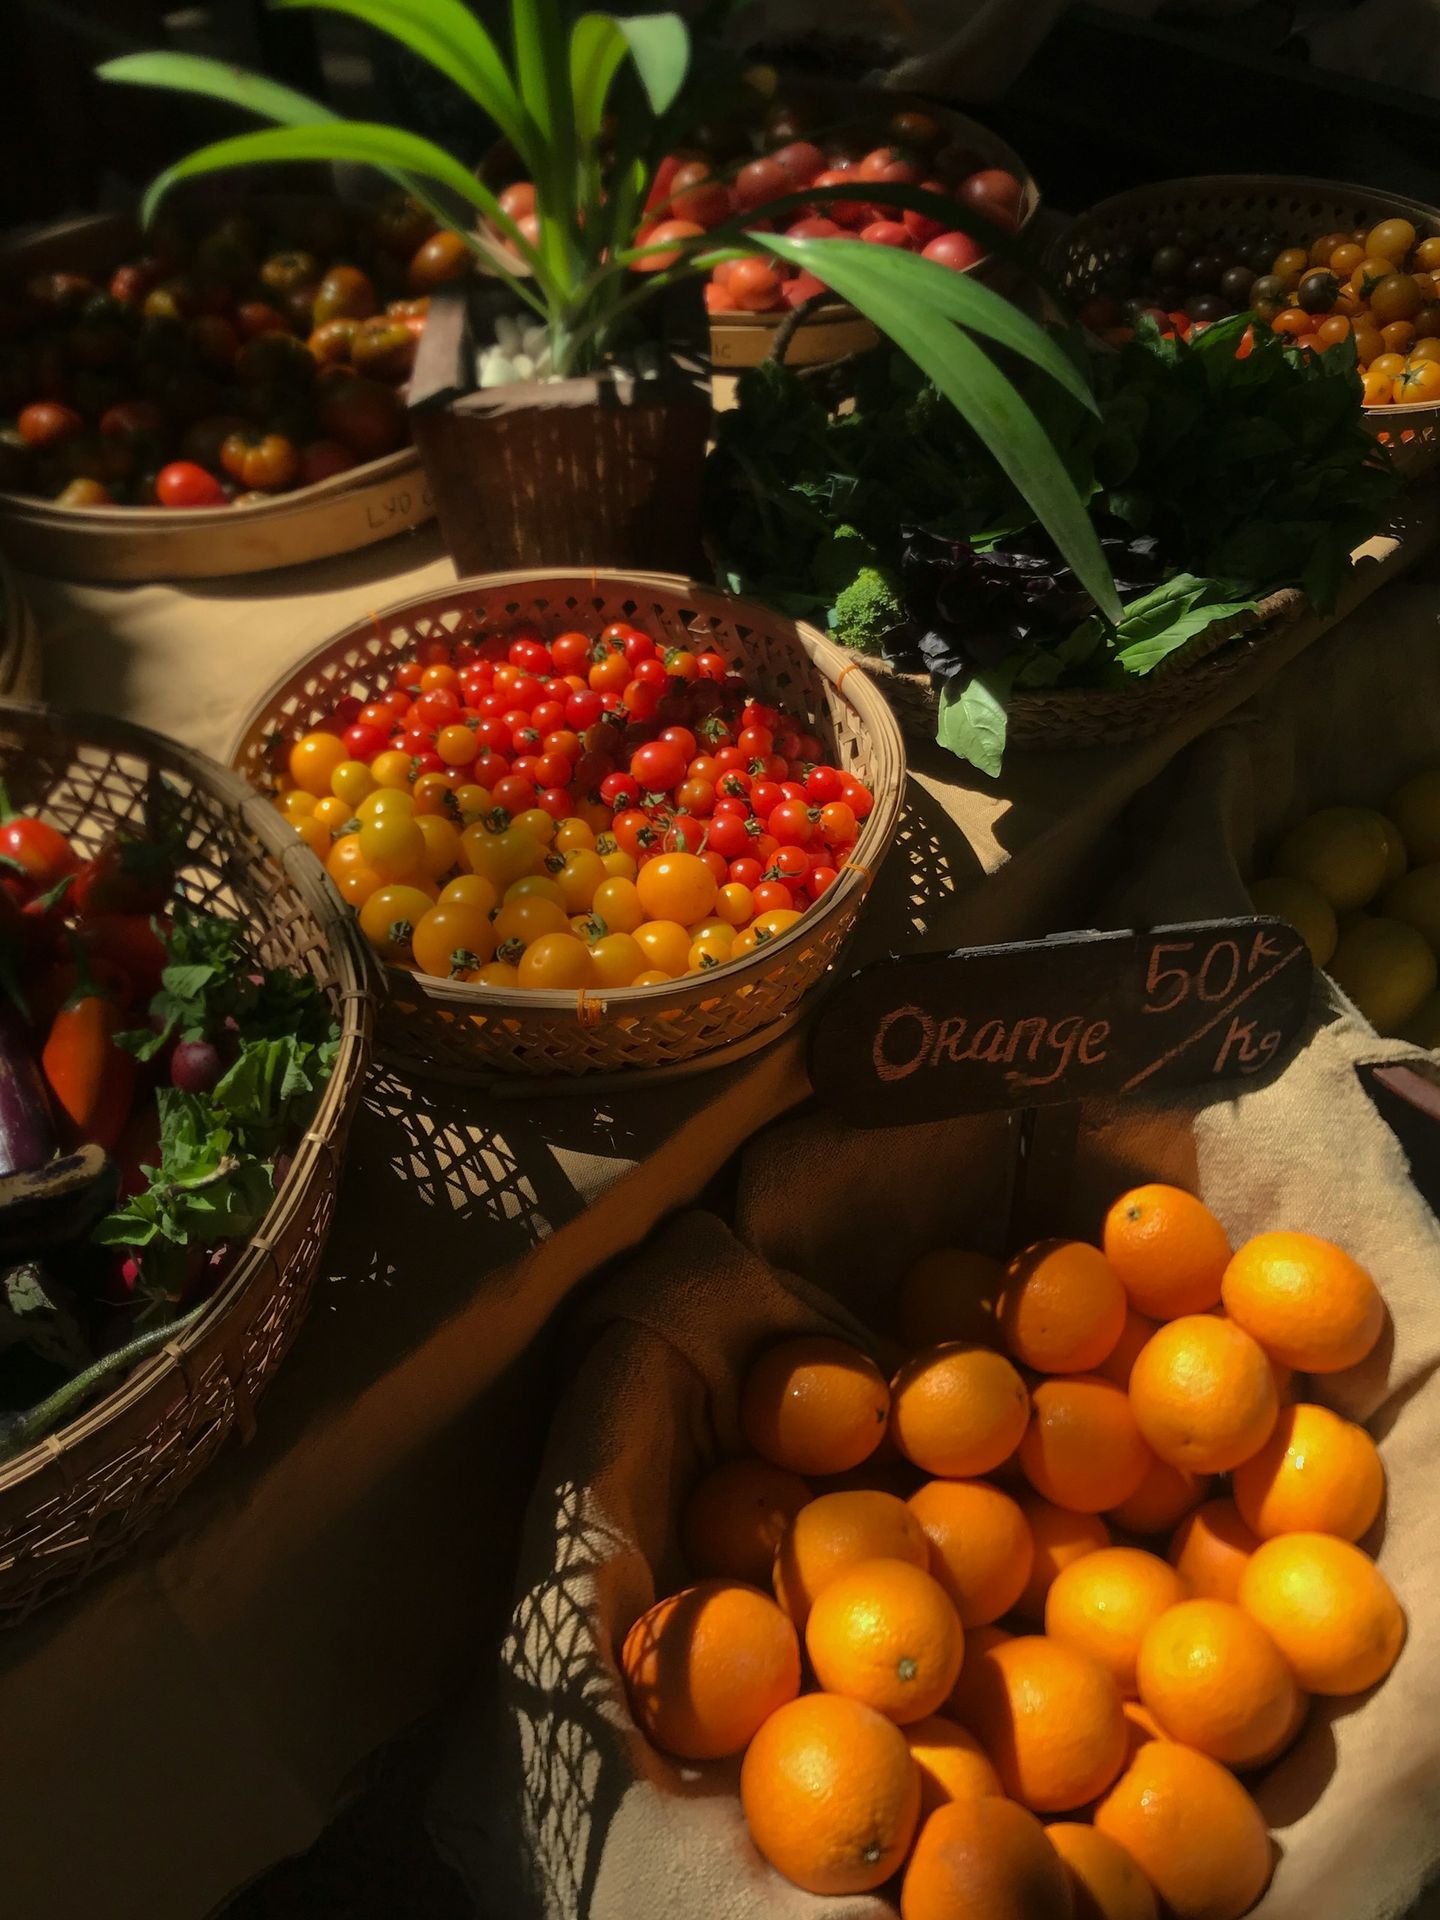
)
(858, 866)
(588, 1012)
(851, 666)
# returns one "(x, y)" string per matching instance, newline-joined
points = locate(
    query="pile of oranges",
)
(1009, 1587)
(572, 812)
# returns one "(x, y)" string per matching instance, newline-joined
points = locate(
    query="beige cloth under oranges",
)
(554, 1805)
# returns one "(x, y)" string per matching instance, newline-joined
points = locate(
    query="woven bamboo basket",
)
(1239, 207)
(465, 1032)
(1062, 717)
(19, 640)
(84, 1493)
(352, 510)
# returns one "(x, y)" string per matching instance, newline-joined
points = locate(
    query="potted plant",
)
(604, 452)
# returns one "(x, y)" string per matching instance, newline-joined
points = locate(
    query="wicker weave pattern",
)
(81, 1496)
(464, 1032)
(1242, 207)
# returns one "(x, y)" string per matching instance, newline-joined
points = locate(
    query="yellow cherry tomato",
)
(618, 960)
(344, 854)
(712, 923)
(540, 885)
(351, 781)
(500, 857)
(735, 905)
(453, 942)
(676, 886)
(619, 864)
(392, 800)
(389, 918)
(313, 760)
(520, 923)
(1392, 365)
(588, 927)
(711, 948)
(520, 851)
(776, 922)
(297, 804)
(665, 944)
(573, 834)
(536, 821)
(498, 973)
(579, 879)
(1377, 387)
(442, 845)
(457, 745)
(393, 845)
(474, 802)
(332, 814)
(745, 942)
(470, 890)
(392, 768)
(652, 977)
(357, 883)
(316, 837)
(595, 815)
(435, 793)
(1420, 381)
(618, 904)
(556, 960)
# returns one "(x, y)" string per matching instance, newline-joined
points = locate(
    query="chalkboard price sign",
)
(1069, 1018)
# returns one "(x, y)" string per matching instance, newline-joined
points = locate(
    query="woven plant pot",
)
(602, 468)
(1058, 717)
(466, 1032)
(1241, 207)
(81, 1496)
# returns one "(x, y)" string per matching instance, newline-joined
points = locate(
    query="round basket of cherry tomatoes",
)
(589, 821)
(221, 394)
(1325, 264)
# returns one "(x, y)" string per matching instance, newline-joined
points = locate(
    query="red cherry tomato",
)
(791, 824)
(823, 784)
(995, 193)
(659, 766)
(772, 896)
(761, 181)
(888, 233)
(923, 227)
(888, 163)
(801, 161)
(183, 484)
(955, 250)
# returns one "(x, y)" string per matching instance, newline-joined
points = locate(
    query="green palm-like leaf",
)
(597, 47)
(192, 73)
(447, 35)
(542, 75)
(659, 45)
(847, 264)
(974, 385)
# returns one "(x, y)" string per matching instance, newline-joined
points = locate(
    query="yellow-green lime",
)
(1423, 1028)
(1305, 907)
(1387, 969)
(1342, 851)
(1415, 809)
(1415, 899)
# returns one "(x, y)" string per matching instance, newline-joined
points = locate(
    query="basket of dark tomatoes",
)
(184, 1027)
(1333, 267)
(218, 395)
(593, 822)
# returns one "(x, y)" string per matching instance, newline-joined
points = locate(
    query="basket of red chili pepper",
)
(184, 1025)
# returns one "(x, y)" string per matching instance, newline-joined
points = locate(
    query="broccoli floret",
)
(867, 611)
(838, 558)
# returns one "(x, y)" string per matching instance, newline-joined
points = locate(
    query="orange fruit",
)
(958, 1410)
(1063, 1307)
(1140, 1726)
(1060, 1538)
(1192, 1829)
(1105, 1883)
(886, 1633)
(836, 1531)
(1327, 1607)
(1106, 1603)
(733, 1521)
(984, 1859)
(1049, 1717)
(1168, 1249)
(979, 1641)
(707, 1667)
(1211, 1548)
(830, 1794)
(1215, 1680)
(1121, 1358)
(1163, 1497)
(980, 1546)
(949, 1295)
(1083, 1448)
(1316, 1473)
(814, 1405)
(953, 1764)
(1203, 1394)
(1305, 1300)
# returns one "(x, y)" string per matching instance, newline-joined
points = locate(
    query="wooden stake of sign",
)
(1047, 1023)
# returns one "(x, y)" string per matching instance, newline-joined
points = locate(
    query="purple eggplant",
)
(27, 1130)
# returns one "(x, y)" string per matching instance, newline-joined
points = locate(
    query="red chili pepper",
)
(92, 1079)
(126, 876)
